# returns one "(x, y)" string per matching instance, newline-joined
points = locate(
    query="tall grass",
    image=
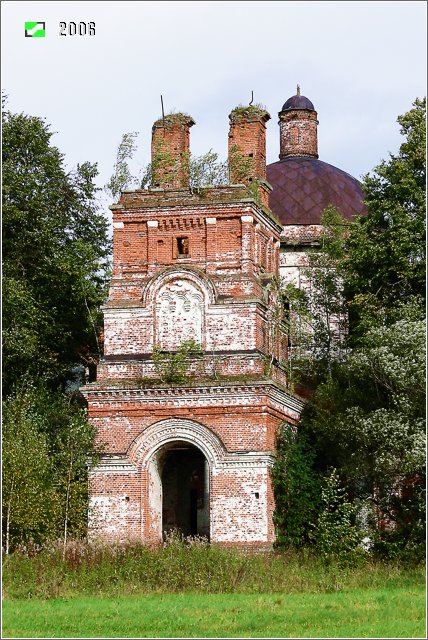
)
(98, 569)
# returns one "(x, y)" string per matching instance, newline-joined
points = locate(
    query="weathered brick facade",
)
(298, 133)
(191, 265)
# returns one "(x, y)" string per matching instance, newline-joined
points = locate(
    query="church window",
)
(182, 247)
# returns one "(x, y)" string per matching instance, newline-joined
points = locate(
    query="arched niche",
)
(179, 314)
(179, 299)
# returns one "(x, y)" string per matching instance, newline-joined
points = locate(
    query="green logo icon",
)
(35, 29)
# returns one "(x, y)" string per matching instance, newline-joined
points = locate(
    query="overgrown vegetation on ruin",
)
(357, 464)
(174, 367)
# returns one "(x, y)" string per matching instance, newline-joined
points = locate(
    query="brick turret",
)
(170, 151)
(247, 144)
(298, 128)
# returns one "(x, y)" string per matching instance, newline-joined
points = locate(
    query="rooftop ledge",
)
(227, 383)
(224, 194)
(196, 190)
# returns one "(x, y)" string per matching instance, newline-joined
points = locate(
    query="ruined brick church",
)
(196, 265)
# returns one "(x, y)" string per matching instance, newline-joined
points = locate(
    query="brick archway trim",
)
(161, 433)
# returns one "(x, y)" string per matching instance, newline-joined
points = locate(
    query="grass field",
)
(200, 590)
(366, 613)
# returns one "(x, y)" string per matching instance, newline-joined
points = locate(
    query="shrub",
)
(296, 487)
(173, 367)
(335, 535)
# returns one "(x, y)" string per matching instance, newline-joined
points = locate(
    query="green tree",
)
(48, 449)
(73, 453)
(369, 415)
(207, 170)
(366, 416)
(386, 249)
(297, 488)
(55, 256)
(317, 315)
(25, 473)
(335, 534)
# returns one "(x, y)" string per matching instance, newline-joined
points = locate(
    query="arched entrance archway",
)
(184, 475)
(150, 451)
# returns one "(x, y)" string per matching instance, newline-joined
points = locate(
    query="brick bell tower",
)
(192, 265)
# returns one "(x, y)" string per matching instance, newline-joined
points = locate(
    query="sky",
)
(361, 64)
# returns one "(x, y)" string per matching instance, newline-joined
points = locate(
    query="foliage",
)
(316, 314)
(204, 171)
(241, 166)
(73, 452)
(122, 177)
(335, 534)
(368, 418)
(174, 367)
(52, 233)
(183, 566)
(26, 473)
(164, 167)
(386, 249)
(248, 111)
(297, 488)
(207, 170)
(174, 118)
(276, 327)
(366, 413)
(46, 443)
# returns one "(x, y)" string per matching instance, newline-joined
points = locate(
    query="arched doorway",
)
(184, 474)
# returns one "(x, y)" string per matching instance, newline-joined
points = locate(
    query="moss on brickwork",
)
(174, 118)
(249, 111)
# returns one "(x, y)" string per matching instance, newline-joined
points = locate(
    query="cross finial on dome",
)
(298, 90)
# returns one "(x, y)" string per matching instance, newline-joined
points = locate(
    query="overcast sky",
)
(360, 63)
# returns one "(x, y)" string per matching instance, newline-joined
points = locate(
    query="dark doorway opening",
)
(185, 495)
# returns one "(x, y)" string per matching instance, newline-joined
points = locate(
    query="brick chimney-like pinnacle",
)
(247, 144)
(298, 128)
(171, 151)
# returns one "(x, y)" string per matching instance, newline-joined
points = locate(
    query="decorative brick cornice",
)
(216, 395)
(179, 212)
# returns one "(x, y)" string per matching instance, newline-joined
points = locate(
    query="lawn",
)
(390, 612)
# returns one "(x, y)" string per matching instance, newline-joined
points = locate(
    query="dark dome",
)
(303, 187)
(298, 102)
